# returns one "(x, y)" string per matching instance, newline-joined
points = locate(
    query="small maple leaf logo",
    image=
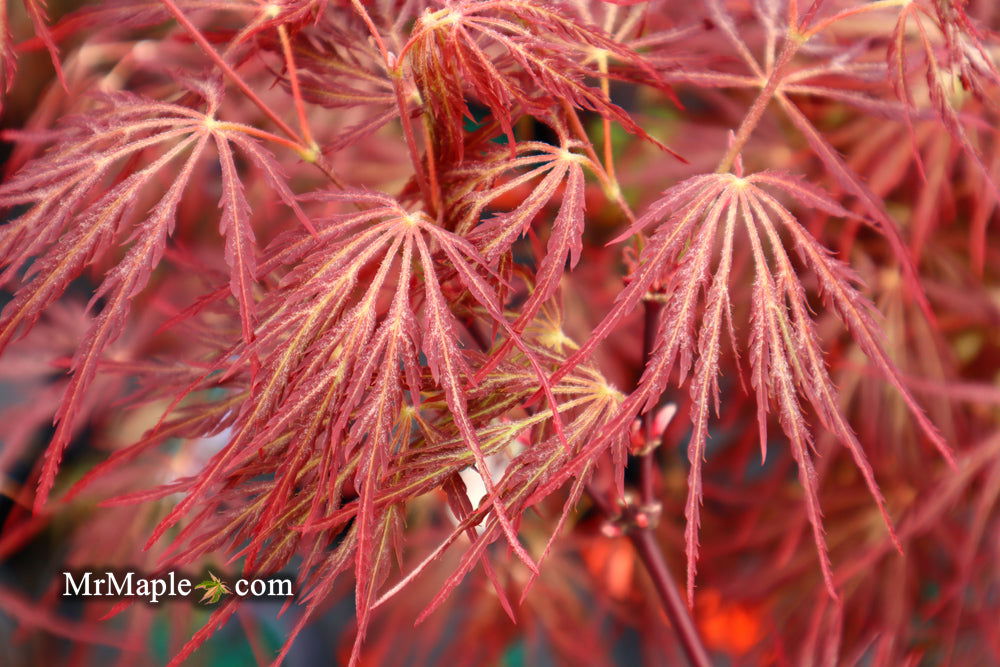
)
(215, 588)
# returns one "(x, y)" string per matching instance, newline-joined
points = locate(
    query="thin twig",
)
(652, 558)
(649, 552)
(652, 309)
(641, 533)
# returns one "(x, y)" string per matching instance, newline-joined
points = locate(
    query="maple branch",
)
(651, 314)
(640, 529)
(652, 558)
(644, 540)
(642, 536)
(641, 532)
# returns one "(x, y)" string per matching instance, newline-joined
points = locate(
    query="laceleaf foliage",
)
(389, 293)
